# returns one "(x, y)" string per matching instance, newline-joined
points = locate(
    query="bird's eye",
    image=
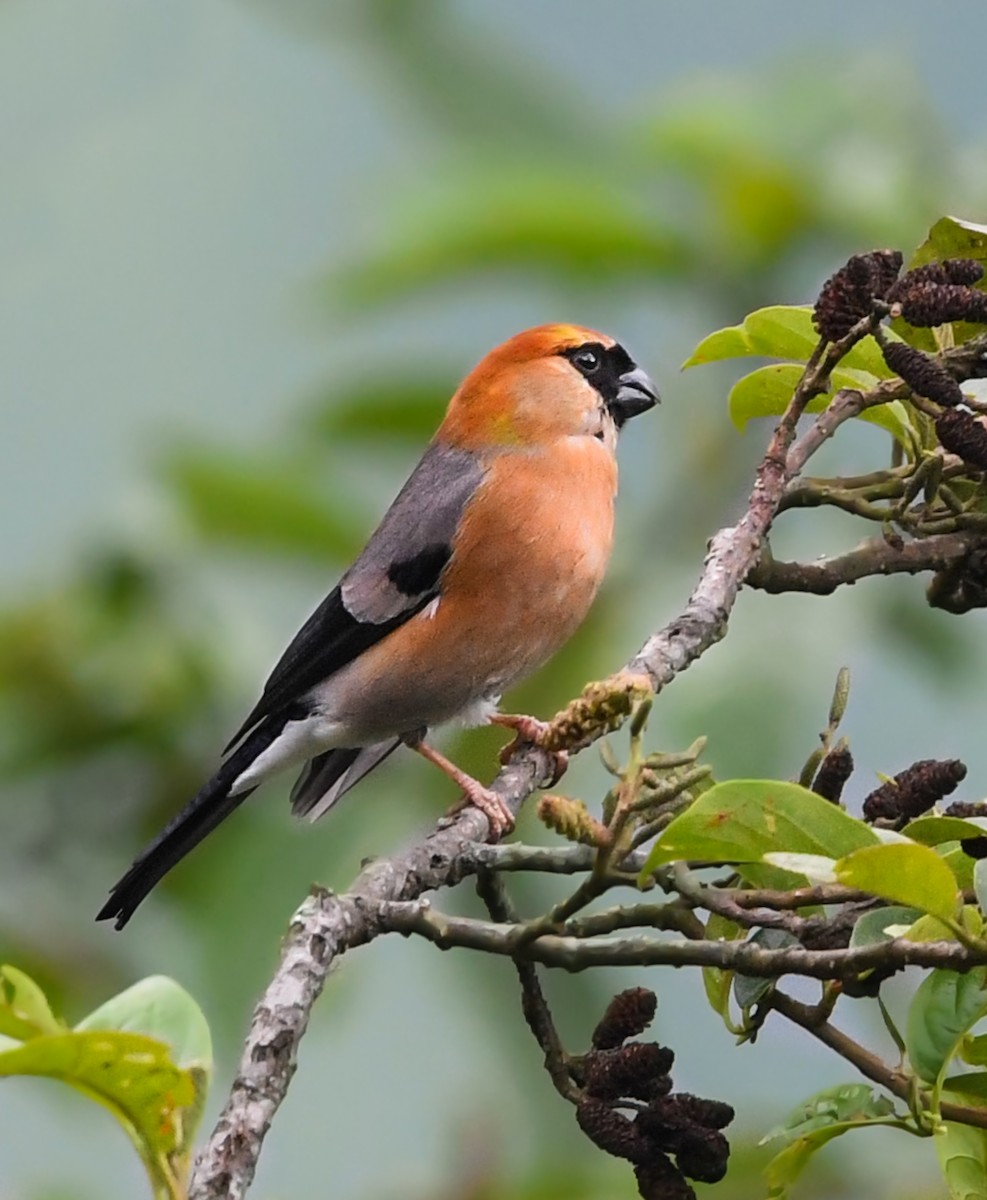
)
(587, 361)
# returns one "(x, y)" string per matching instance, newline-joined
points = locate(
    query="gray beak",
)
(635, 394)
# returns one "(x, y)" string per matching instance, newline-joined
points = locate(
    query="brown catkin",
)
(629, 1013)
(963, 434)
(612, 1131)
(923, 374)
(928, 303)
(967, 808)
(638, 1069)
(834, 770)
(847, 296)
(659, 1179)
(963, 270)
(914, 790)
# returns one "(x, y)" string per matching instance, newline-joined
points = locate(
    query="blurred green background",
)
(248, 248)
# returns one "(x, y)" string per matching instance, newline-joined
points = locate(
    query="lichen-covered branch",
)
(572, 953)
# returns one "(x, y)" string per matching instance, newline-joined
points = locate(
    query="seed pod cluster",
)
(848, 295)
(923, 374)
(914, 790)
(622, 1077)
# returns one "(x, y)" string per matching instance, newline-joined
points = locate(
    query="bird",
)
(483, 566)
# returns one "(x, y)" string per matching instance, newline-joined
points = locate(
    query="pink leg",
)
(528, 730)
(488, 802)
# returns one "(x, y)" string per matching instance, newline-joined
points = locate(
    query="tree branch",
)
(573, 953)
(873, 557)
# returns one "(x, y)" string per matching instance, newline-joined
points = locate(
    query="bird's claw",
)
(529, 731)
(499, 816)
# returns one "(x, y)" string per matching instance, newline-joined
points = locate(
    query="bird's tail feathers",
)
(211, 805)
(329, 776)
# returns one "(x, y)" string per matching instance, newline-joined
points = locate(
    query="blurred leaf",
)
(962, 1152)
(258, 504)
(111, 658)
(907, 873)
(24, 1010)
(944, 1008)
(401, 408)
(767, 392)
(980, 883)
(160, 1008)
(153, 1081)
(825, 1116)
(741, 820)
(571, 225)
(131, 1075)
(481, 89)
(973, 1050)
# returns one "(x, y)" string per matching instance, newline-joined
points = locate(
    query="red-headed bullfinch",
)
(481, 569)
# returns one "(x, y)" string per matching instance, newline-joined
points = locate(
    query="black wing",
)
(396, 576)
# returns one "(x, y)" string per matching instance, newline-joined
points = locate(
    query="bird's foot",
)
(499, 816)
(529, 731)
(475, 795)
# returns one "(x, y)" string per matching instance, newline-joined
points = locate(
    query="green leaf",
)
(952, 237)
(844, 1102)
(961, 864)
(717, 982)
(970, 1088)
(962, 1153)
(825, 1116)
(767, 392)
(258, 504)
(945, 1007)
(781, 331)
(730, 342)
(135, 1078)
(904, 872)
(741, 820)
(980, 883)
(24, 1010)
(871, 928)
(973, 1050)
(933, 831)
(159, 1008)
(146, 1055)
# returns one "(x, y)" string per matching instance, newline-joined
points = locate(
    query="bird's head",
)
(546, 383)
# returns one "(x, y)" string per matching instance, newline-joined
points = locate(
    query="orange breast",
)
(530, 555)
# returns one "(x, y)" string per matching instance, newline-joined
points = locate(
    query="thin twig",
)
(537, 1014)
(869, 1065)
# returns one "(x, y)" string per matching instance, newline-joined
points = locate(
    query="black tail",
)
(211, 805)
(329, 776)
